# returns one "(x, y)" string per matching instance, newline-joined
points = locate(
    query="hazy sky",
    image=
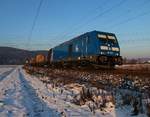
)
(61, 20)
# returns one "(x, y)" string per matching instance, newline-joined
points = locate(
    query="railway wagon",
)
(93, 47)
(40, 59)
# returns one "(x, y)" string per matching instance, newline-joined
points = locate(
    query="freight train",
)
(91, 48)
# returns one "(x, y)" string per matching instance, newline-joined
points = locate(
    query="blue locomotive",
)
(95, 47)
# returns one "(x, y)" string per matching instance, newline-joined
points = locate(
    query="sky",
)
(24, 25)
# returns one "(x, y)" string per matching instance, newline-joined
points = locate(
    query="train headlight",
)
(115, 49)
(104, 47)
(91, 57)
(79, 58)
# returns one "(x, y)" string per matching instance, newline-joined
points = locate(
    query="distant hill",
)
(9, 55)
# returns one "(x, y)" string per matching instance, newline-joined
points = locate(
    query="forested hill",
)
(11, 56)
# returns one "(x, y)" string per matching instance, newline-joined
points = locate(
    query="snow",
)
(19, 99)
(24, 95)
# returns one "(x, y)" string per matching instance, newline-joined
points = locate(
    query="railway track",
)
(99, 69)
(100, 78)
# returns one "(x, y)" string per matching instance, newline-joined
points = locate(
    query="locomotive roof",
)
(107, 33)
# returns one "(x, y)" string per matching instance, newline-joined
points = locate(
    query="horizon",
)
(48, 50)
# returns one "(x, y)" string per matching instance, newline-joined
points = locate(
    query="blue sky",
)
(61, 20)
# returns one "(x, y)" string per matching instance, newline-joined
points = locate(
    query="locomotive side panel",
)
(67, 50)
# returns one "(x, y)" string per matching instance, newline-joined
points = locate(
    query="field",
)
(46, 92)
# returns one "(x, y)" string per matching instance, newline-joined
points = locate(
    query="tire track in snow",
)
(10, 95)
(34, 105)
(5, 74)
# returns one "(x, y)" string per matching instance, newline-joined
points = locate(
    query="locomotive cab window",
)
(112, 38)
(102, 36)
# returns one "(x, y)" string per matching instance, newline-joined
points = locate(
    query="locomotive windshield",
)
(107, 38)
(102, 36)
(112, 38)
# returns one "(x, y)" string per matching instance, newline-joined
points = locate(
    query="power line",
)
(83, 17)
(129, 19)
(97, 16)
(141, 5)
(121, 2)
(34, 22)
(133, 33)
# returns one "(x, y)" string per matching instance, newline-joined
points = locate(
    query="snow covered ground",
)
(23, 95)
(19, 99)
